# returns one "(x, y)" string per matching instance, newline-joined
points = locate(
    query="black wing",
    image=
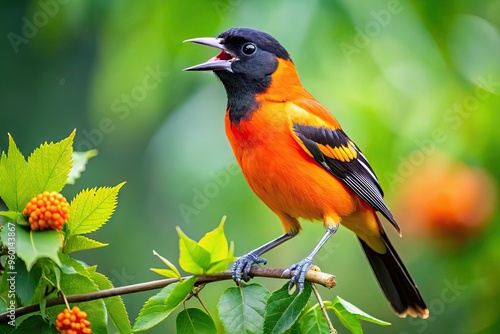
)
(333, 150)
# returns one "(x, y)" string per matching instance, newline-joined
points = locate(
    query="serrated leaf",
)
(313, 322)
(193, 258)
(194, 321)
(168, 264)
(78, 243)
(13, 178)
(80, 160)
(49, 165)
(33, 245)
(283, 309)
(350, 316)
(91, 208)
(159, 307)
(114, 305)
(215, 243)
(241, 309)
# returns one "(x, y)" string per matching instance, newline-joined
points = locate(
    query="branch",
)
(327, 280)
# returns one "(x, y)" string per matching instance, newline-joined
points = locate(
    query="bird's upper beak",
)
(220, 62)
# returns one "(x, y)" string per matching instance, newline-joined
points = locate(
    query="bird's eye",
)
(249, 49)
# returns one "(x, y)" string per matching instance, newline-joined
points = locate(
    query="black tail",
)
(395, 281)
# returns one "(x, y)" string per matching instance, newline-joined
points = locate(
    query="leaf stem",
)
(323, 309)
(325, 279)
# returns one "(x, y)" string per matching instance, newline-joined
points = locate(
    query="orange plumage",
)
(300, 163)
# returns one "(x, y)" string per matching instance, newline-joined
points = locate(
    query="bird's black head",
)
(244, 52)
(245, 64)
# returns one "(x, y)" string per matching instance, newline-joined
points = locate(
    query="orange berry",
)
(48, 210)
(73, 321)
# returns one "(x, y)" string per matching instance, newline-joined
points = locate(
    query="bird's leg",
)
(241, 267)
(300, 268)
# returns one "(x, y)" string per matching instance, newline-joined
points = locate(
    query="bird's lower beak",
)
(222, 61)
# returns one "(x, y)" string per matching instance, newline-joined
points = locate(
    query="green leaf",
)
(283, 309)
(72, 266)
(194, 321)
(43, 307)
(114, 305)
(73, 284)
(313, 321)
(49, 165)
(215, 243)
(27, 282)
(79, 242)
(91, 208)
(3, 306)
(350, 316)
(295, 329)
(165, 272)
(220, 266)
(13, 216)
(33, 324)
(158, 307)
(33, 245)
(193, 258)
(173, 269)
(241, 309)
(13, 178)
(80, 160)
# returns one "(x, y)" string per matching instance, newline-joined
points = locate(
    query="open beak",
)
(220, 62)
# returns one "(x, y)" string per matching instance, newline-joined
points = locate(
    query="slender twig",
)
(327, 280)
(66, 301)
(202, 304)
(323, 309)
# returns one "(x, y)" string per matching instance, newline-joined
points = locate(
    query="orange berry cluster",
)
(47, 210)
(73, 321)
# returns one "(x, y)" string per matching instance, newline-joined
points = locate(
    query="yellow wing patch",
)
(301, 116)
(342, 153)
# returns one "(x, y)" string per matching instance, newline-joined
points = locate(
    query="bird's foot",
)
(299, 276)
(241, 267)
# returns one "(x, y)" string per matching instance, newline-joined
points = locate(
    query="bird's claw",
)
(299, 276)
(241, 267)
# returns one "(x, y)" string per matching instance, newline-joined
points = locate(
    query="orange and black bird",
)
(299, 161)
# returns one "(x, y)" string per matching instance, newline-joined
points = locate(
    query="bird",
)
(300, 162)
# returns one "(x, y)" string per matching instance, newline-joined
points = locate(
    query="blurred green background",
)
(409, 81)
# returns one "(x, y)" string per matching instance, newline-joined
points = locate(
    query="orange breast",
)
(280, 172)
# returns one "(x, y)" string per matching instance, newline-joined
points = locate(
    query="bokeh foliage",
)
(393, 72)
